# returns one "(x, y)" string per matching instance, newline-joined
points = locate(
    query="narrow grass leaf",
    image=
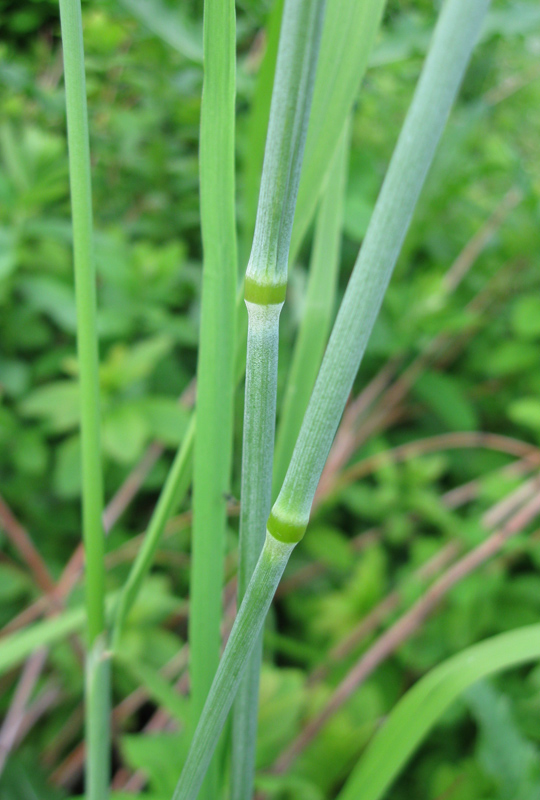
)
(317, 311)
(97, 720)
(348, 38)
(454, 38)
(215, 369)
(20, 644)
(173, 492)
(257, 125)
(417, 712)
(97, 693)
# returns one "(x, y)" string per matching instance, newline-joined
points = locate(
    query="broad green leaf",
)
(52, 297)
(14, 377)
(57, 404)
(526, 411)
(14, 583)
(158, 755)
(281, 701)
(511, 358)
(443, 394)
(67, 467)
(165, 419)
(124, 433)
(8, 253)
(125, 365)
(526, 317)
(24, 779)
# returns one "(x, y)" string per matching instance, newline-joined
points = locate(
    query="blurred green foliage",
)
(144, 87)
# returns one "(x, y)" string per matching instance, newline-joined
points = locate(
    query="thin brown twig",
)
(22, 541)
(434, 444)
(497, 515)
(13, 720)
(475, 246)
(381, 611)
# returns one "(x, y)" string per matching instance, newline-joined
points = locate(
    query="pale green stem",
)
(215, 368)
(258, 449)
(173, 491)
(298, 51)
(97, 720)
(454, 38)
(317, 311)
(98, 682)
(85, 291)
(244, 635)
(265, 285)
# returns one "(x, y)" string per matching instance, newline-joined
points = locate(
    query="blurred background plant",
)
(443, 428)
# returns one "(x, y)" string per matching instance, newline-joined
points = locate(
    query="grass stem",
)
(215, 369)
(244, 636)
(98, 681)
(455, 35)
(265, 287)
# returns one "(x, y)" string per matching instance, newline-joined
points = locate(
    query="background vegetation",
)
(453, 362)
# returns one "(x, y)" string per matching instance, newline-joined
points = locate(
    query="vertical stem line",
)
(244, 635)
(258, 451)
(174, 489)
(215, 369)
(98, 682)
(85, 290)
(265, 287)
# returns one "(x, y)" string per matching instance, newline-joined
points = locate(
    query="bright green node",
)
(264, 294)
(287, 532)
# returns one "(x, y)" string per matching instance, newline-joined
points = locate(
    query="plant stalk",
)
(244, 636)
(98, 680)
(215, 368)
(175, 487)
(455, 35)
(258, 451)
(317, 310)
(265, 286)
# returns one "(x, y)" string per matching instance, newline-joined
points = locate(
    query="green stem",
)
(456, 32)
(97, 727)
(258, 450)
(174, 490)
(244, 636)
(215, 369)
(265, 286)
(317, 310)
(98, 686)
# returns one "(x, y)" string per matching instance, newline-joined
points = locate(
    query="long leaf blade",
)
(424, 704)
(215, 369)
